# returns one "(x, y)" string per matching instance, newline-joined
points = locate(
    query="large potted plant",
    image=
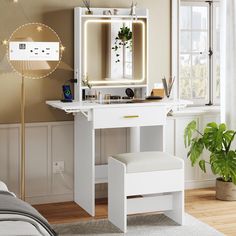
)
(217, 139)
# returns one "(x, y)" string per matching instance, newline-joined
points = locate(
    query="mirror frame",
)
(85, 49)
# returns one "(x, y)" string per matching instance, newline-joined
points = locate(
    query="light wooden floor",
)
(200, 203)
(221, 215)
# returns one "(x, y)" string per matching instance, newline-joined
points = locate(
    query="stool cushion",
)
(149, 161)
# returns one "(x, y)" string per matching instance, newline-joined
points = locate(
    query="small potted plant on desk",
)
(217, 139)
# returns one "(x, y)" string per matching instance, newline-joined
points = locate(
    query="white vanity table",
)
(145, 121)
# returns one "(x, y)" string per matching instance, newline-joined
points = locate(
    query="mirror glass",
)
(114, 51)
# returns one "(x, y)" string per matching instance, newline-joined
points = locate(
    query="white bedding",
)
(14, 227)
(17, 228)
(3, 186)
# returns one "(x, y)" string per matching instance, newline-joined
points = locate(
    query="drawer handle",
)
(130, 117)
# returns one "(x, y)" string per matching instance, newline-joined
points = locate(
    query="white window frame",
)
(216, 100)
(175, 46)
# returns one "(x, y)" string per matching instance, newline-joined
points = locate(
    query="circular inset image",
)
(34, 50)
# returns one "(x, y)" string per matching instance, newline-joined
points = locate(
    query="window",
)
(128, 65)
(199, 52)
(128, 56)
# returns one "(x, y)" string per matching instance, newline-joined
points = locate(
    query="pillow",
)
(3, 187)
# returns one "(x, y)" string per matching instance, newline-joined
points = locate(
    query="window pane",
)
(185, 65)
(199, 88)
(199, 76)
(217, 74)
(128, 70)
(185, 41)
(199, 41)
(217, 18)
(185, 88)
(185, 17)
(217, 36)
(217, 53)
(199, 17)
(199, 66)
(185, 76)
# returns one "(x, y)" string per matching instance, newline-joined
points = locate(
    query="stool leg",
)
(117, 203)
(177, 214)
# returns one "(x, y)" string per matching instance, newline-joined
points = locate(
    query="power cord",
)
(64, 180)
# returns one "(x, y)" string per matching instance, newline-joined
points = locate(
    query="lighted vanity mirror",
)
(114, 51)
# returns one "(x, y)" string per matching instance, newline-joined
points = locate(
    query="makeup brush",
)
(171, 84)
(165, 86)
(168, 86)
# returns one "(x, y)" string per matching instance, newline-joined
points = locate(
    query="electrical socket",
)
(58, 166)
(34, 51)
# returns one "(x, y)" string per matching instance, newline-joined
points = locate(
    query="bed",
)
(20, 218)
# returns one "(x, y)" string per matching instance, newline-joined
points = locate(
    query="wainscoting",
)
(194, 177)
(54, 141)
(45, 143)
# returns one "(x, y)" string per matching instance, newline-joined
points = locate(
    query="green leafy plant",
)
(123, 39)
(217, 139)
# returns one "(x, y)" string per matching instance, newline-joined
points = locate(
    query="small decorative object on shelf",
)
(158, 92)
(107, 12)
(90, 97)
(85, 82)
(216, 139)
(87, 5)
(133, 9)
(107, 96)
(168, 85)
(99, 97)
(115, 11)
(129, 92)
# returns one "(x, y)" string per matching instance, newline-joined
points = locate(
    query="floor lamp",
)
(6, 68)
(34, 51)
(26, 66)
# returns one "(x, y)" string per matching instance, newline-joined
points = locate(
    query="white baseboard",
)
(53, 198)
(195, 184)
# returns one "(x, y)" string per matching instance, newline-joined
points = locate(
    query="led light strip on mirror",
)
(85, 56)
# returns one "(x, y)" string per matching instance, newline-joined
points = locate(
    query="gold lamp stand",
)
(22, 158)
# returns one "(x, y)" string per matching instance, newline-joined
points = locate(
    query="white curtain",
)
(228, 62)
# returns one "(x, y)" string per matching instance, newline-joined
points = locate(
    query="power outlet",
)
(58, 166)
(34, 51)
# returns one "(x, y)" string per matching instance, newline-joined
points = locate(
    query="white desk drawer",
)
(129, 116)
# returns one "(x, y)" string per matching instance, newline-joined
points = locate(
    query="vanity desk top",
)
(123, 113)
(77, 106)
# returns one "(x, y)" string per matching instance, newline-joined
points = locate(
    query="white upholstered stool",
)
(156, 178)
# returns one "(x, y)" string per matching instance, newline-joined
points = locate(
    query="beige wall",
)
(59, 15)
